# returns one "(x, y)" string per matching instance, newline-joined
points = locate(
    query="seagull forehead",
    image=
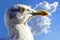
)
(22, 6)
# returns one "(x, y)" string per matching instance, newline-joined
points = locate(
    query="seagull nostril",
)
(28, 10)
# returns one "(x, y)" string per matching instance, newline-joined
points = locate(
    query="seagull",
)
(16, 18)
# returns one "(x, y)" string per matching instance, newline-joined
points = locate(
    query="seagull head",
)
(22, 13)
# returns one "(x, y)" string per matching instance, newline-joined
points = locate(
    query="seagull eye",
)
(21, 9)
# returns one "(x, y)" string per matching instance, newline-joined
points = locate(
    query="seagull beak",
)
(40, 12)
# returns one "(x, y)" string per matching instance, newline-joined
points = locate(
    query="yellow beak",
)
(40, 12)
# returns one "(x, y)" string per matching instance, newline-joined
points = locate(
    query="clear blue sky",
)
(55, 26)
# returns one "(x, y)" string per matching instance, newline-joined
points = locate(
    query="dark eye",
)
(21, 9)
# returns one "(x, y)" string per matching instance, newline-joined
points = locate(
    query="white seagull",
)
(16, 18)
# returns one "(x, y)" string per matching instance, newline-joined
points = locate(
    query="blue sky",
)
(55, 26)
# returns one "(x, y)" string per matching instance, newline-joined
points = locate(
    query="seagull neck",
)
(21, 32)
